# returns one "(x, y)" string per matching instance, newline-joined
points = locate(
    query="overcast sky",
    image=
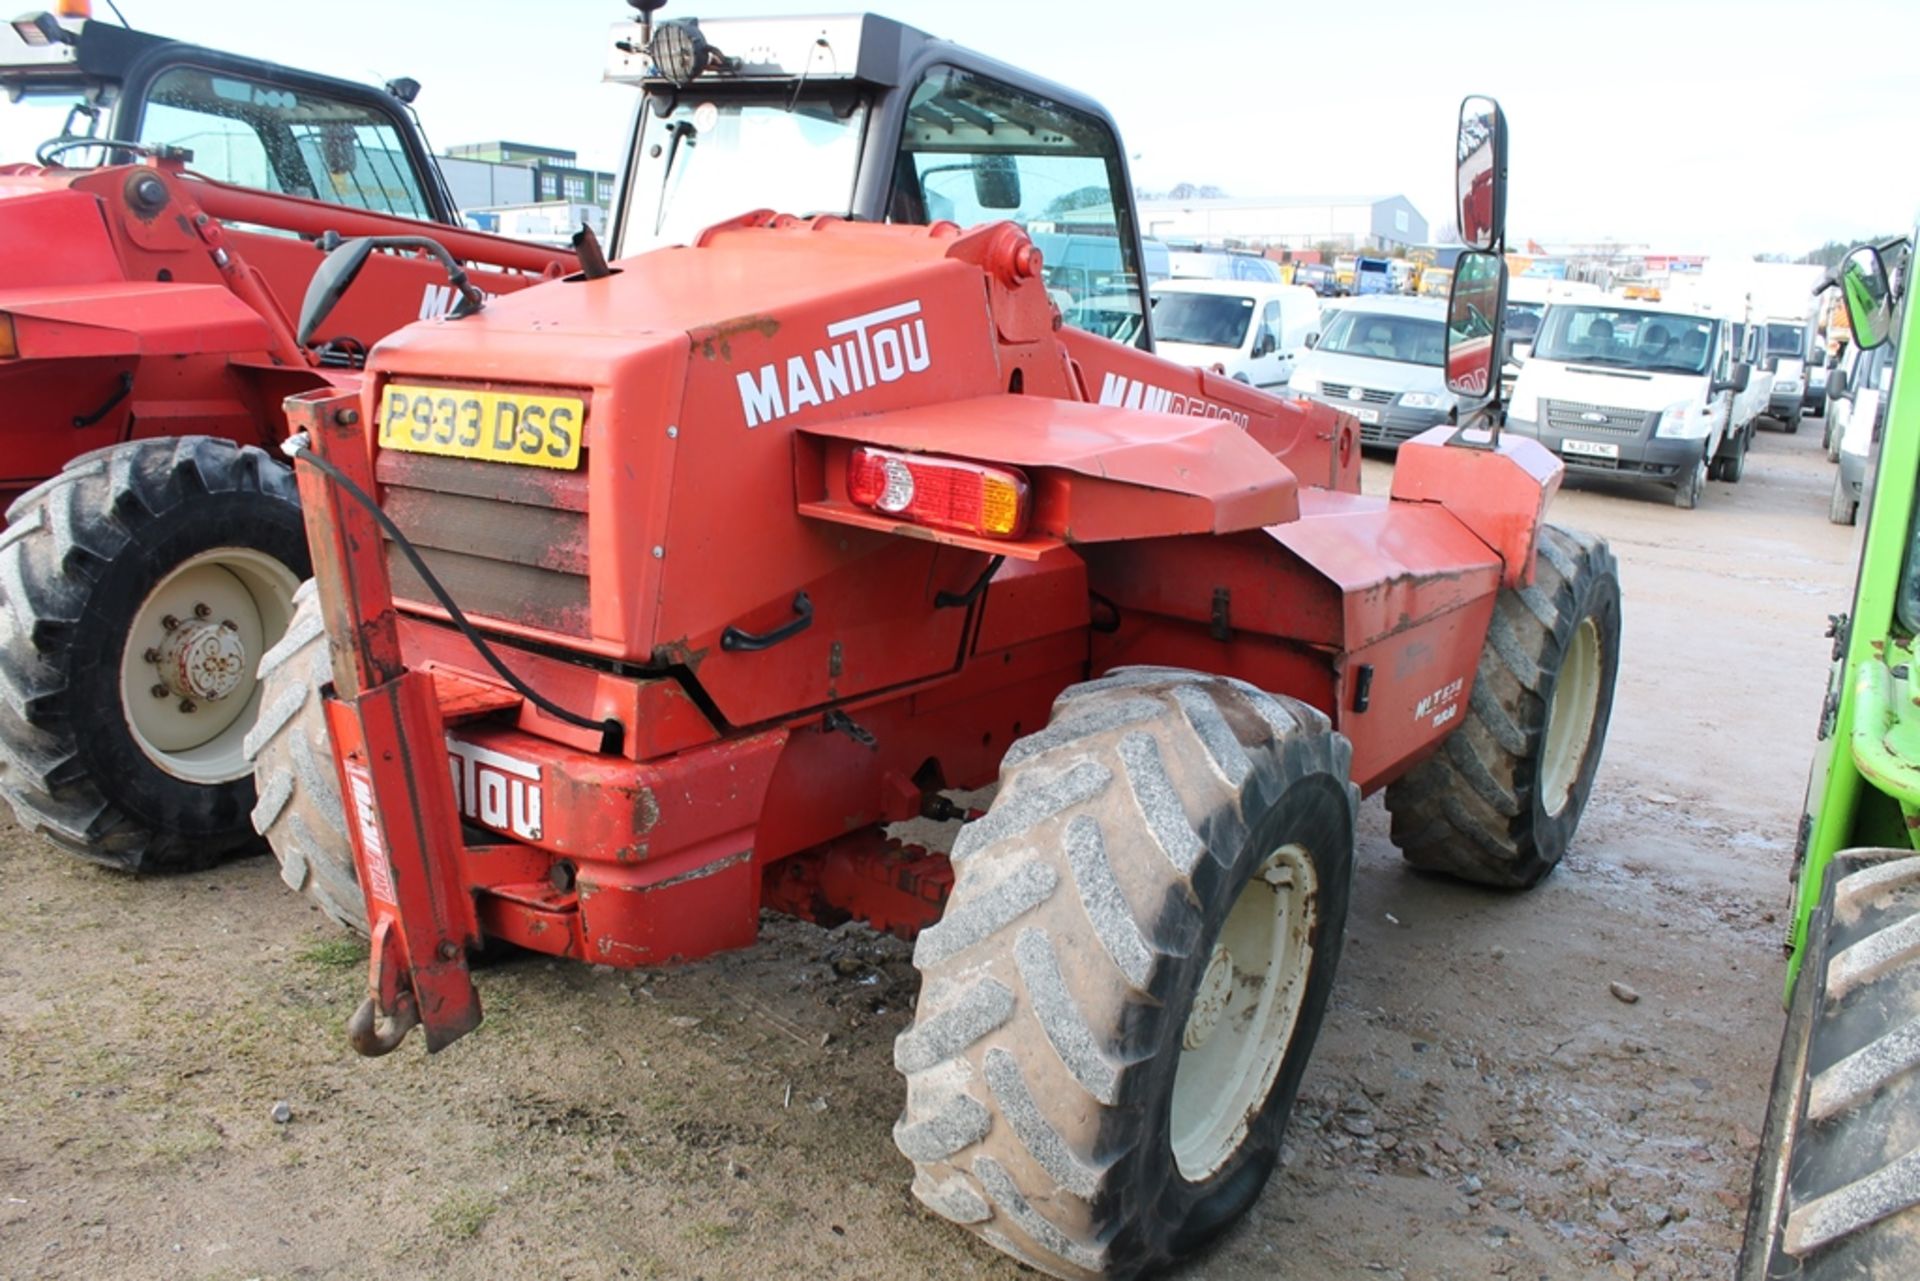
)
(1692, 125)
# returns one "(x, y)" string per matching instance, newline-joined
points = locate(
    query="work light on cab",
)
(941, 492)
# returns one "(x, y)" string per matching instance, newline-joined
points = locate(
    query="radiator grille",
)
(509, 543)
(1577, 418)
(1368, 395)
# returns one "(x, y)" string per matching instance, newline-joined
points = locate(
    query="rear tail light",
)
(942, 492)
(9, 341)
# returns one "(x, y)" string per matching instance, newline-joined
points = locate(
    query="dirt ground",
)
(1481, 1104)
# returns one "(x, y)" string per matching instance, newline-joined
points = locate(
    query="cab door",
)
(1269, 364)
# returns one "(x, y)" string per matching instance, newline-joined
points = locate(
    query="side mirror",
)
(1521, 352)
(1313, 340)
(1819, 358)
(1265, 345)
(1474, 307)
(331, 283)
(996, 182)
(1837, 385)
(1869, 294)
(1737, 380)
(1480, 172)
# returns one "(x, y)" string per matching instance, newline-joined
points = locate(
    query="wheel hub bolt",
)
(187, 705)
(161, 691)
(152, 655)
(169, 622)
(202, 610)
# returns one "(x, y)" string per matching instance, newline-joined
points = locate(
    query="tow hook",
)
(374, 1032)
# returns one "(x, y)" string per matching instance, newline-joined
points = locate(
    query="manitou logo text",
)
(496, 790)
(437, 301)
(864, 351)
(373, 846)
(1133, 394)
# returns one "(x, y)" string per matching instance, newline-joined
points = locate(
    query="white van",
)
(1634, 389)
(1789, 338)
(1248, 330)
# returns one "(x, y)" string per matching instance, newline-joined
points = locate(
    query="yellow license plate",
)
(493, 426)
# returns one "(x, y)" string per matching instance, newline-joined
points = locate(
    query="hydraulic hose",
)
(612, 732)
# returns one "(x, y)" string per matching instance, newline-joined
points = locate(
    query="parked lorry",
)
(1635, 389)
(1834, 1194)
(826, 517)
(152, 548)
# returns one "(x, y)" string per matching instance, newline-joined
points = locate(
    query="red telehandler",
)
(152, 547)
(645, 600)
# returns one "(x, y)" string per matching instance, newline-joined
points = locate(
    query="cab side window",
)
(976, 150)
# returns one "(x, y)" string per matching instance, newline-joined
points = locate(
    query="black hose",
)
(611, 730)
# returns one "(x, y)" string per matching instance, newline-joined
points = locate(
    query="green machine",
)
(1836, 1190)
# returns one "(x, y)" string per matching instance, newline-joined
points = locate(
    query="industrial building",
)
(1283, 222)
(487, 178)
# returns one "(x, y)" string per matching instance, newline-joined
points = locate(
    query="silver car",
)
(1383, 360)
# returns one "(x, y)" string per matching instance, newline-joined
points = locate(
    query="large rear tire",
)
(299, 809)
(1836, 1188)
(138, 590)
(1119, 1002)
(1501, 799)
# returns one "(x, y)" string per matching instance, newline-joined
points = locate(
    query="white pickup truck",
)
(1637, 390)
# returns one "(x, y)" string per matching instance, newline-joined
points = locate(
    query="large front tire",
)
(138, 590)
(1500, 801)
(1118, 1004)
(299, 810)
(1835, 1192)
(1841, 507)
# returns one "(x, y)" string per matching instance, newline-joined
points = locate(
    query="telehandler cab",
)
(645, 599)
(152, 547)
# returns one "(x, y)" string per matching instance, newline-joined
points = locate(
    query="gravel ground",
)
(1565, 1083)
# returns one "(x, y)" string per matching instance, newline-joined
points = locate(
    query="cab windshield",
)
(1785, 340)
(704, 159)
(1523, 319)
(1626, 338)
(1204, 320)
(267, 136)
(1410, 340)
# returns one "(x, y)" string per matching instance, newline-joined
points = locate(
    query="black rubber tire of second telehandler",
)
(78, 560)
(1836, 1188)
(1474, 809)
(299, 809)
(1056, 989)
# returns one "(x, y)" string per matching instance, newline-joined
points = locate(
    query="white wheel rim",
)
(190, 691)
(1244, 1011)
(1576, 701)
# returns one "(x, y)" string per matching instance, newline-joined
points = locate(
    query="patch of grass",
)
(181, 1144)
(336, 954)
(710, 1232)
(461, 1215)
